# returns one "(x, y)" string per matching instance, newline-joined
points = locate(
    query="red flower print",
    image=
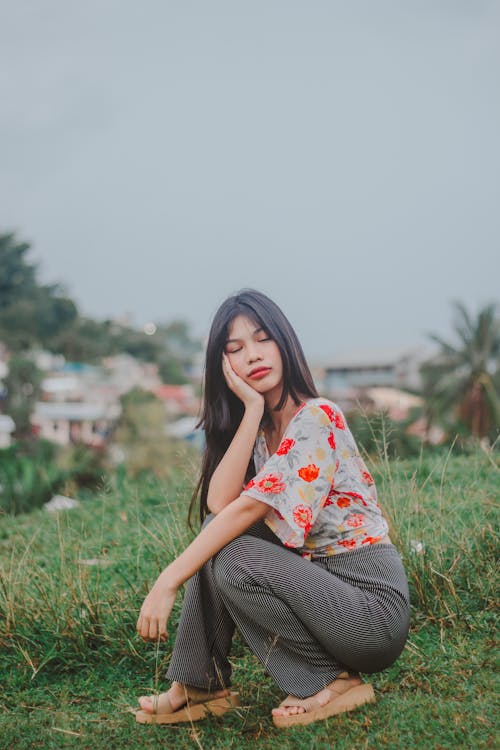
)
(251, 483)
(367, 478)
(347, 543)
(343, 502)
(371, 539)
(308, 473)
(279, 515)
(328, 411)
(329, 500)
(271, 483)
(339, 422)
(355, 520)
(331, 440)
(302, 515)
(285, 446)
(354, 495)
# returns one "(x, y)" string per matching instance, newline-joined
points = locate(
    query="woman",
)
(294, 549)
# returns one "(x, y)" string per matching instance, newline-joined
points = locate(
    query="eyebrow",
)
(257, 330)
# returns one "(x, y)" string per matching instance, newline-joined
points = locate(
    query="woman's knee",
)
(231, 564)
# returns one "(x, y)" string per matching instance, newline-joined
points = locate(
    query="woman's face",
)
(254, 356)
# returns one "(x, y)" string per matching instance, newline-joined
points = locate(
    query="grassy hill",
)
(71, 585)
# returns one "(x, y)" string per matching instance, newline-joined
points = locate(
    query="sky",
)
(342, 157)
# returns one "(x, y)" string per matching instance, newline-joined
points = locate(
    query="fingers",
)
(227, 370)
(233, 380)
(152, 629)
(227, 367)
(162, 628)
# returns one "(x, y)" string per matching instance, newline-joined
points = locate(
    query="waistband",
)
(369, 548)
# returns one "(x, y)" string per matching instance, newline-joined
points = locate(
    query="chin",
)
(271, 387)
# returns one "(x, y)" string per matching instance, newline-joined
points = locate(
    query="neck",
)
(278, 420)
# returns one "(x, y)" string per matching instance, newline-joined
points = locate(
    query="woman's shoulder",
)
(324, 412)
(320, 402)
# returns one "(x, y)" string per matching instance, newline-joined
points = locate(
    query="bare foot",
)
(323, 697)
(172, 699)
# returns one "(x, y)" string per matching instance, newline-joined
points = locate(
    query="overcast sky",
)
(343, 157)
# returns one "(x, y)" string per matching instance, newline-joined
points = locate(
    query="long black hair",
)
(223, 411)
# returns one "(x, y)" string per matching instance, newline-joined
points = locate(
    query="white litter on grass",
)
(60, 502)
(417, 547)
(94, 561)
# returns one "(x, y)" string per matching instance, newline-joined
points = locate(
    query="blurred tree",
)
(463, 378)
(141, 433)
(30, 313)
(172, 371)
(23, 387)
(178, 351)
(85, 340)
(17, 277)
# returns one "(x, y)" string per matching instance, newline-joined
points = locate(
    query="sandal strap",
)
(309, 704)
(195, 695)
(166, 707)
(312, 703)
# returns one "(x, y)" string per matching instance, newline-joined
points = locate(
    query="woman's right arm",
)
(227, 480)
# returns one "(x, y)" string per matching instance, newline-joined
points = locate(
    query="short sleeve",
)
(295, 481)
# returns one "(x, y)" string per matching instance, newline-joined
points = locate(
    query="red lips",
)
(259, 372)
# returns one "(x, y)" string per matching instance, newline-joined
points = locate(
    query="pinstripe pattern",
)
(306, 621)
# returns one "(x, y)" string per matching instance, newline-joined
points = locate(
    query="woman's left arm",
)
(229, 523)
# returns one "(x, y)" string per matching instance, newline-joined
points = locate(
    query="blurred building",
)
(375, 378)
(178, 399)
(75, 422)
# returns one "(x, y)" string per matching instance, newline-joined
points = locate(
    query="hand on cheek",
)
(243, 390)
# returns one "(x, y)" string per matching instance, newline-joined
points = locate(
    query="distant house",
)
(124, 372)
(62, 387)
(74, 422)
(379, 367)
(375, 378)
(77, 405)
(396, 403)
(178, 399)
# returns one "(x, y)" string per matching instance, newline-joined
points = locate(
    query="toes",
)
(288, 711)
(145, 703)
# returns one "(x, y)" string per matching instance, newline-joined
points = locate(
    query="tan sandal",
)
(344, 698)
(198, 705)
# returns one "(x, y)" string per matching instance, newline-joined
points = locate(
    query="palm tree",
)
(463, 379)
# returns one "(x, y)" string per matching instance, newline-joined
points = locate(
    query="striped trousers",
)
(306, 621)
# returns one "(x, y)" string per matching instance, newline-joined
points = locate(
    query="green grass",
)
(71, 665)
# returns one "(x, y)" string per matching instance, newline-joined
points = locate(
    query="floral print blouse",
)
(322, 498)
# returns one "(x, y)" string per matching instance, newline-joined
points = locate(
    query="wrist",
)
(255, 407)
(166, 582)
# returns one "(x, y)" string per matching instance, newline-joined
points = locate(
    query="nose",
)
(253, 353)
